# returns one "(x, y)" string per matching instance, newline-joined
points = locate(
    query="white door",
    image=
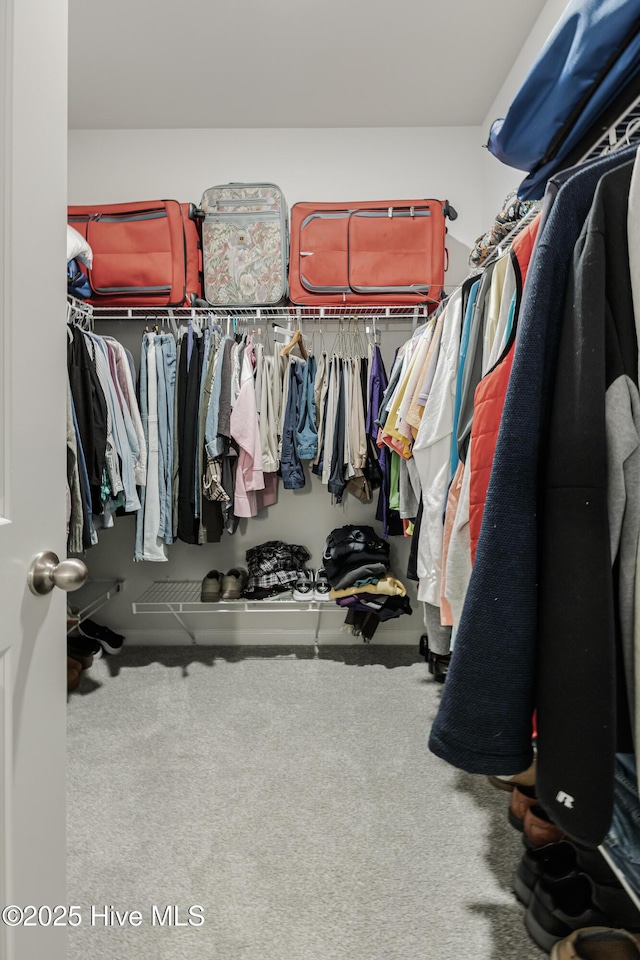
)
(33, 69)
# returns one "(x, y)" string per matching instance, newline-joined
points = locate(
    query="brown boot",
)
(539, 829)
(521, 799)
(74, 673)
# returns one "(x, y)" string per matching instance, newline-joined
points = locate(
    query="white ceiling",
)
(290, 63)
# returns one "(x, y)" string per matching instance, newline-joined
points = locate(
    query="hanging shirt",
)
(432, 453)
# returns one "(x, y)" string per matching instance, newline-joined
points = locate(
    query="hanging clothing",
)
(490, 395)
(590, 521)
(292, 473)
(432, 453)
(188, 392)
(484, 720)
(91, 412)
(253, 488)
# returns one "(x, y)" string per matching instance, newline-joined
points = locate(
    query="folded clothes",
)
(371, 601)
(351, 546)
(388, 586)
(335, 569)
(393, 608)
(358, 576)
(387, 608)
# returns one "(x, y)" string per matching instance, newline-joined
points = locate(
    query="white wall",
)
(498, 179)
(108, 166)
(323, 165)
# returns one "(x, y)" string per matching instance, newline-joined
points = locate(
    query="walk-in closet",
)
(319, 472)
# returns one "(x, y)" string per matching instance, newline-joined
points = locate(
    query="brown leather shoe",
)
(521, 799)
(74, 673)
(539, 829)
(525, 779)
(597, 943)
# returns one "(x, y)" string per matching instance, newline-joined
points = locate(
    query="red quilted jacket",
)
(489, 401)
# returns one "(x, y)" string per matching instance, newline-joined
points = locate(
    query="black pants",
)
(189, 375)
(91, 413)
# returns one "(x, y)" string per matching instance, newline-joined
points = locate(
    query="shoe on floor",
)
(321, 586)
(74, 674)
(597, 943)
(539, 829)
(560, 907)
(110, 641)
(233, 584)
(438, 665)
(303, 587)
(280, 595)
(211, 587)
(84, 650)
(556, 861)
(521, 799)
(525, 779)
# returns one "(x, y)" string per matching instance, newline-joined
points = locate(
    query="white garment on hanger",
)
(432, 453)
(459, 554)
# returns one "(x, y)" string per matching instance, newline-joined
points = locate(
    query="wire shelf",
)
(90, 599)
(183, 596)
(624, 131)
(286, 314)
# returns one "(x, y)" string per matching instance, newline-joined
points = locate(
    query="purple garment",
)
(378, 382)
(377, 385)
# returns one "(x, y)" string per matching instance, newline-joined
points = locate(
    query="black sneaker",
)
(555, 861)
(83, 649)
(558, 907)
(109, 641)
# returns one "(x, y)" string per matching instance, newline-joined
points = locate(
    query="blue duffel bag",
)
(592, 53)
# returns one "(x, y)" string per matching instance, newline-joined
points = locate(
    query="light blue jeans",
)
(622, 842)
(306, 434)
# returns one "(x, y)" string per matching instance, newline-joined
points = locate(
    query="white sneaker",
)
(321, 586)
(303, 587)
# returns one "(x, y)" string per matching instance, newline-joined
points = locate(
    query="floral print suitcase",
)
(245, 241)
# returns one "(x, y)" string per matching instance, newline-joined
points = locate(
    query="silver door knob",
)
(47, 572)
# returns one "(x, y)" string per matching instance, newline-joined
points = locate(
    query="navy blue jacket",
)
(484, 721)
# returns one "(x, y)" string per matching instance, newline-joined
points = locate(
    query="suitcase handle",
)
(446, 259)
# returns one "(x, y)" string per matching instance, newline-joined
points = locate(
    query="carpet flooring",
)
(293, 799)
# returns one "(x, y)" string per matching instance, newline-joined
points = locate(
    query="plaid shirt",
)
(275, 558)
(280, 578)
